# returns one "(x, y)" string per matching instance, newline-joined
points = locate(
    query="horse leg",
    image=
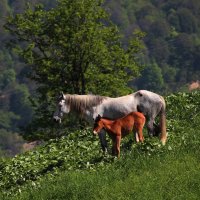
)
(156, 130)
(153, 128)
(117, 143)
(150, 127)
(141, 137)
(102, 138)
(136, 136)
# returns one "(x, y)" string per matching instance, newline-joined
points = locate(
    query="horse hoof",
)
(163, 141)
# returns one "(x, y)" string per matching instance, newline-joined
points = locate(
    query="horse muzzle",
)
(95, 132)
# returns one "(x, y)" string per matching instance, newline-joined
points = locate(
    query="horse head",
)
(98, 125)
(61, 108)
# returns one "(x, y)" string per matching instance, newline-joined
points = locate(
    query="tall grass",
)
(169, 175)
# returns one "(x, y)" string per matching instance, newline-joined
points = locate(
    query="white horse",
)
(90, 106)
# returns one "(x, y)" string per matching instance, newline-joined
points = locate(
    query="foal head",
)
(98, 125)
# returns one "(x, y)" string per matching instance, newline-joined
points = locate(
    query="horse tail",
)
(162, 124)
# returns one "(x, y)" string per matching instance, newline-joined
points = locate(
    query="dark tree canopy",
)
(71, 45)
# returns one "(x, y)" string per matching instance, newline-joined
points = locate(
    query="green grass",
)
(170, 175)
(73, 168)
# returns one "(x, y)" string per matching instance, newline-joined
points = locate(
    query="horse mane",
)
(80, 103)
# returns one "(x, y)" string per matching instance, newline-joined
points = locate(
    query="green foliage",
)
(10, 143)
(184, 106)
(20, 104)
(188, 23)
(172, 40)
(7, 119)
(183, 118)
(6, 78)
(164, 22)
(68, 53)
(135, 177)
(67, 153)
(17, 110)
(151, 78)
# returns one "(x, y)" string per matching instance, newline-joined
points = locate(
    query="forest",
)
(166, 58)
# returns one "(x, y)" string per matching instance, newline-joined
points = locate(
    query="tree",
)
(8, 120)
(3, 11)
(188, 22)
(158, 50)
(10, 143)
(151, 78)
(6, 78)
(159, 28)
(20, 105)
(73, 48)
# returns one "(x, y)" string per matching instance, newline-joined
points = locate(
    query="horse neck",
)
(83, 103)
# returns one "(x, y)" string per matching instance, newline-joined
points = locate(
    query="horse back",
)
(139, 120)
(149, 103)
(131, 121)
(134, 120)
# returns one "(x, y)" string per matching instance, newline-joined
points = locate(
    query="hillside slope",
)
(73, 166)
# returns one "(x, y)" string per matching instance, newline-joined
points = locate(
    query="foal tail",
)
(162, 124)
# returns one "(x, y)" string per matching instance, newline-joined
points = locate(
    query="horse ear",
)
(62, 94)
(99, 116)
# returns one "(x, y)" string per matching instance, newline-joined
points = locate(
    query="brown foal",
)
(121, 127)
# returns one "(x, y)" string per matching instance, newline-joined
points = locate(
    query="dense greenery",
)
(15, 108)
(73, 163)
(172, 40)
(75, 54)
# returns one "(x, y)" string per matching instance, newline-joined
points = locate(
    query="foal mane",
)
(80, 103)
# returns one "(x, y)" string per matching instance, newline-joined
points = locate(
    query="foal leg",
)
(118, 140)
(102, 138)
(141, 137)
(136, 136)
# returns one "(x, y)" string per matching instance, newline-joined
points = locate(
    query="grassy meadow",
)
(73, 167)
